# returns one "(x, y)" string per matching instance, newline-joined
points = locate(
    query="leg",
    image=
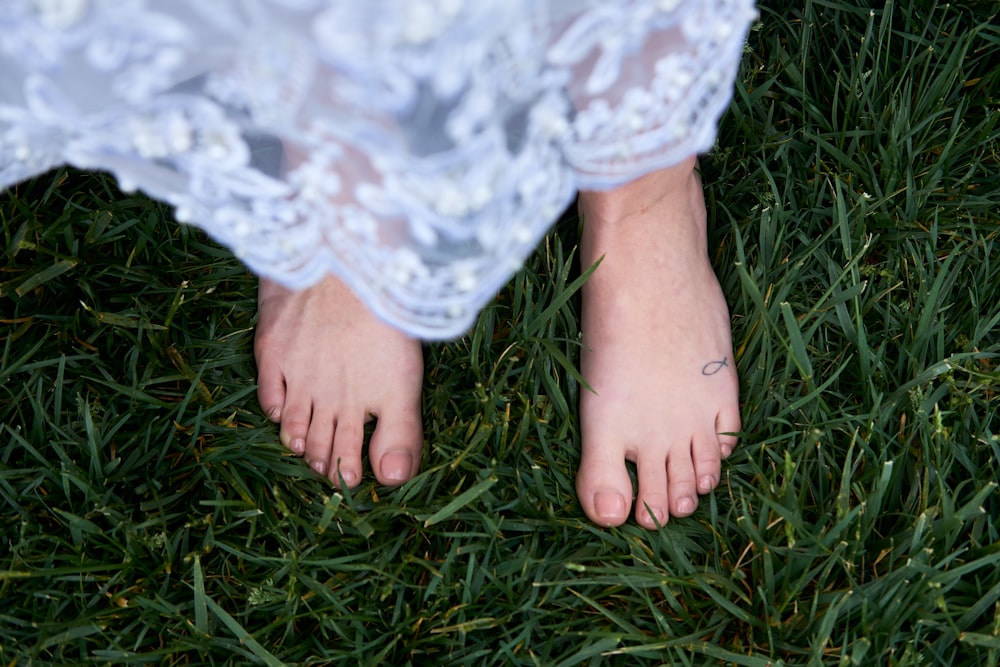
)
(657, 351)
(326, 366)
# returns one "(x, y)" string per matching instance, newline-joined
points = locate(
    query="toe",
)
(604, 487)
(270, 389)
(682, 488)
(295, 418)
(652, 502)
(728, 423)
(345, 459)
(395, 448)
(707, 459)
(319, 440)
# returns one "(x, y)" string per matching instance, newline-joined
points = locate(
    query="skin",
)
(657, 352)
(657, 355)
(322, 361)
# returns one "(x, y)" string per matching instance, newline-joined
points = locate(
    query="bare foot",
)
(326, 366)
(657, 352)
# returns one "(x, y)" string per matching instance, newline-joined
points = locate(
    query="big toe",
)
(604, 489)
(395, 448)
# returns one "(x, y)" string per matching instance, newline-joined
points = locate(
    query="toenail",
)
(685, 505)
(319, 466)
(350, 478)
(655, 515)
(609, 505)
(298, 446)
(274, 414)
(707, 484)
(396, 466)
(726, 450)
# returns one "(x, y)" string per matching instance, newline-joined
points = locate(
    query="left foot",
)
(326, 366)
(657, 352)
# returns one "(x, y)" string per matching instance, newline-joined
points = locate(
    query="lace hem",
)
(418, 151)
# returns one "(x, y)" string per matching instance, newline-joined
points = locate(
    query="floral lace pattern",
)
(418, 150)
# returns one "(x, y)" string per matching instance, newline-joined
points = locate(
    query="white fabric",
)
(416, 148)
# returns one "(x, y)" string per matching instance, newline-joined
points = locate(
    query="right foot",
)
(327, 366)
(657, 353)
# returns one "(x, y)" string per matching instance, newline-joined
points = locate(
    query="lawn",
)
(149, 514)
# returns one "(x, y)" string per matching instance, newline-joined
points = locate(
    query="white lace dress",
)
(416, 148)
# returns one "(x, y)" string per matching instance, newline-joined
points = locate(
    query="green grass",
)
(149, 515)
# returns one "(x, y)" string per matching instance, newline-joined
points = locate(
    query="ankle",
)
(637, 196)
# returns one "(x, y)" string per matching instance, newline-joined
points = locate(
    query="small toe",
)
(271, 391)
(682, 488)
(727, 424)
(318, 441)
(652, 507)
(345, 457)
(705, 453)
(295, 419)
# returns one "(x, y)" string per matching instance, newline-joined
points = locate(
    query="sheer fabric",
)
(418, 149)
